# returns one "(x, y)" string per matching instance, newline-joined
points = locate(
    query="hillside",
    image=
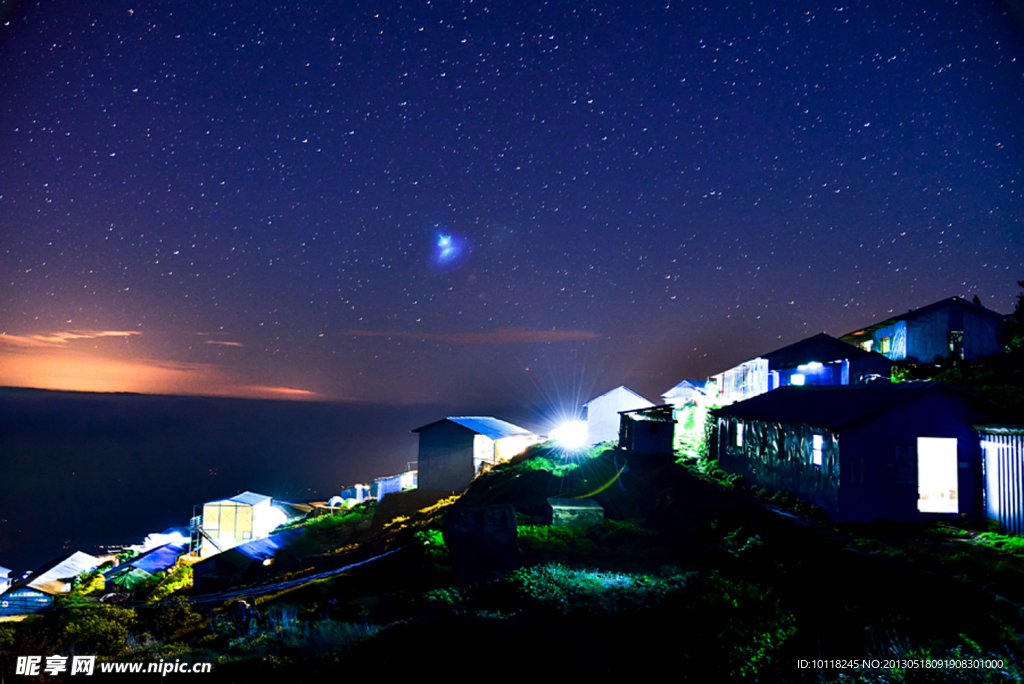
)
(687, 571)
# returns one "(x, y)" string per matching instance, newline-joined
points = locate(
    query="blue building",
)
(951, 328)
(899, 452)
(816, 360)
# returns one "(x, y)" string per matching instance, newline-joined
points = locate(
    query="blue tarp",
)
(261, 549)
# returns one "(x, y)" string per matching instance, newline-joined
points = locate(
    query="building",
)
(816, 360)
(453, 450)
(221, 525)
(36, 592)
(899, 452)
(240, 564)
(686, 392)
(1002, 443)
(131, 573)
(395, 483)
(648, 430)
(951, 328)
(602, 413)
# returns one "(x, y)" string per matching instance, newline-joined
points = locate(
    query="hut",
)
(950, 328)
(226, 523)
(899, 452)
(648, 430)
(36, 592)
(602, 413)
(453, 450)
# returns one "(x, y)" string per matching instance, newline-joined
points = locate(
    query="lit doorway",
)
(937, 489)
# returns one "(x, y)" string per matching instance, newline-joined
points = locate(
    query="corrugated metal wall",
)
(1004, 480)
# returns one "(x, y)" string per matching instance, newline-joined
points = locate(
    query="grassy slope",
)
(684, 572)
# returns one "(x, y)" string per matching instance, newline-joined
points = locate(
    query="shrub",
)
(742, 623)
(100, 630)
(178, 577)
(1002, 542)
(433, 545)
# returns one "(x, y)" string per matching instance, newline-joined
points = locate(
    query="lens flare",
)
(570, 436)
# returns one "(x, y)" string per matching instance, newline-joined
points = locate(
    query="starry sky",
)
(465, 202)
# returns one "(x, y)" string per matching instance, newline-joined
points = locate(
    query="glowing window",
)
(797, 379)
(937, 482)
(739, 434)
(956, 343)
(885, 345)
(817, 446)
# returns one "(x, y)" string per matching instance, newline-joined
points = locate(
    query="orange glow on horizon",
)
(57, 368)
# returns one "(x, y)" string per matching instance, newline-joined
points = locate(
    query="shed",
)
(602, 413)
(648, 430)
(950, 328)
(816, 360)
(227, 523)
(686, 392)
(453, 450)
(395, 483)
(240, 562)
(899, 452)
(35, 592)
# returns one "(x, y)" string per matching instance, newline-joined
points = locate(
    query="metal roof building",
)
(454, 450)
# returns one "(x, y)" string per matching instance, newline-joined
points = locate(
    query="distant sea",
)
(80, 470)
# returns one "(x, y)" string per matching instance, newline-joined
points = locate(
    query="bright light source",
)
(796, 379)
(571, 435)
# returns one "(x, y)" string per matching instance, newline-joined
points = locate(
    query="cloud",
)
(281, 392)
(225, 343)
(59, 339)
(500, 336)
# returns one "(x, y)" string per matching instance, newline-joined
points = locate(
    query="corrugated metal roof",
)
(831, 406)
(489, 427)
(927, 309)
(686, 387)
(483, 425)
(53, 580)
(247, 498)
(251, 498)
(623, 388)
(821, 347)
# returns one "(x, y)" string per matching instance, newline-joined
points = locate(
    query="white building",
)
(227, 523)
(602, 413)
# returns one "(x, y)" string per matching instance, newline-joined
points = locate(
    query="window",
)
(885, 345)
(817, 449)
(797, 379)
(739, 434)
(956, 344)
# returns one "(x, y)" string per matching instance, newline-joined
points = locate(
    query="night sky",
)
(469, 202)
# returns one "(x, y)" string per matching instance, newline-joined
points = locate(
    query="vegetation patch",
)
(329, 533)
